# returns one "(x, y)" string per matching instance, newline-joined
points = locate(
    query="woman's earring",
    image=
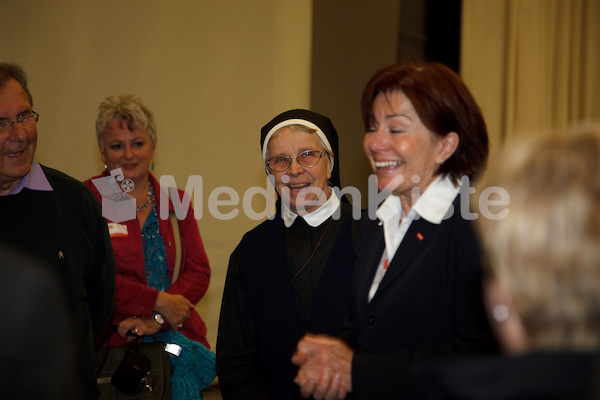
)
(152, 167)
(106, 168)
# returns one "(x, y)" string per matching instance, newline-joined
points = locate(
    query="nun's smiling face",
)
(303, 188)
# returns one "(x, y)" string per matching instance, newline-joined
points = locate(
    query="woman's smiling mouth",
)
(298, 186)
(387, 164)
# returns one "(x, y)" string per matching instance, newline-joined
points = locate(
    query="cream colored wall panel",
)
(212, 71)
(483, 43)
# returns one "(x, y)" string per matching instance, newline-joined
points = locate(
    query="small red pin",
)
(419, 236)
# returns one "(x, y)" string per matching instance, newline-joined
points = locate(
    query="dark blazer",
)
(66, 230)
(259, 324)
(36, 340)
(537, 375)
(428, 306)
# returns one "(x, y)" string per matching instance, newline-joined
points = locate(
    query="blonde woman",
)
(147, 302)
(543, 288)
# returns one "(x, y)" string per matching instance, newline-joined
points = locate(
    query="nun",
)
(291, 274)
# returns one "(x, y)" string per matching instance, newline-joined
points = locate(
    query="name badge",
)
(117, 230)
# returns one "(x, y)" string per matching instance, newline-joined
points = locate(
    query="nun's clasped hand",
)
(325, 367)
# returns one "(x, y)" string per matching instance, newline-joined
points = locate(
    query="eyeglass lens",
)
(26, 121)
(307, 159)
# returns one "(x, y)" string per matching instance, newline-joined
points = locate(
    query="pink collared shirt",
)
(34, 180)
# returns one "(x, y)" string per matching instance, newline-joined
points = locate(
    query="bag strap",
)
(104, 338)
(178, 245)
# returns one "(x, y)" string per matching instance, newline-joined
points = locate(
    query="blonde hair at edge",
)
(546, 252)
(305, 129)
(125, 107)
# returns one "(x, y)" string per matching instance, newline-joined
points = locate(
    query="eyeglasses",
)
(308, 159)
(25, 120)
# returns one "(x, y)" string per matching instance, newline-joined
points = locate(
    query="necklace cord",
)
(314, 251)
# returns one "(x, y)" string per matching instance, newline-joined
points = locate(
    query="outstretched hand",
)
(325, 367)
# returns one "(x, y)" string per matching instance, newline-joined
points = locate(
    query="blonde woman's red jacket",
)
(133, 296)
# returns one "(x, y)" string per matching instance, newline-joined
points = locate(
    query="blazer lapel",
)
(369, 257)
(417, 238)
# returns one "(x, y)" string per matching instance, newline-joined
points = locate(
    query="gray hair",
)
(126, 108)
(16, 72)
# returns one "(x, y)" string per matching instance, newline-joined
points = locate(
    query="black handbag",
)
(137, 372)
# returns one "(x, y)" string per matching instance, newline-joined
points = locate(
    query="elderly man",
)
(56, 218)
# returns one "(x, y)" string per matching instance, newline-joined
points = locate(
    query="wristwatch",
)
(159, 318)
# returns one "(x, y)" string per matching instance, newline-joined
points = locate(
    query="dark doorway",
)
(429, 30)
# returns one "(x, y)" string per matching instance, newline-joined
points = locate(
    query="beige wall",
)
(213, 72)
